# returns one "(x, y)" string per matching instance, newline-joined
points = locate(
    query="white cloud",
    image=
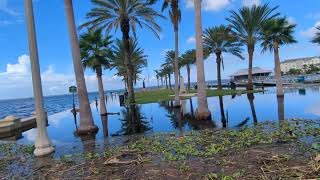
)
(16, 80)
(309, 33)
(250, 2)
(210, 5)
(21, 68)
(291, 20)
(5, 8)
(191, 40)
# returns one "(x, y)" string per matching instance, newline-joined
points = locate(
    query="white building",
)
(298, 63)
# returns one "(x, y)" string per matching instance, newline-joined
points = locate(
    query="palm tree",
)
(218, 40)
(316, 38)
(247, 24)
(202, 111)
(86, 120)
(157, 77)
(125, 15)
(167, 70)
(95, 53)
(137, 56)
(188, 59)
(175, 17)
(277, 32)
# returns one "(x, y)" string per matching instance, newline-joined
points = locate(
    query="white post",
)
(43, 145)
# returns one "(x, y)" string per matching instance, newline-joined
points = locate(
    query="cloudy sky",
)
(55, 54)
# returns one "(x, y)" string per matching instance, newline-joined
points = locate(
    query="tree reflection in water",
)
(181, 117)
(253, 111)
(104, 122)
(133, 121)
(224, 120)
(281, 116)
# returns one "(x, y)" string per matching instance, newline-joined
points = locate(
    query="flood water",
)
(227, 112)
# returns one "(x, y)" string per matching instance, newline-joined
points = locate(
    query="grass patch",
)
(159, 95)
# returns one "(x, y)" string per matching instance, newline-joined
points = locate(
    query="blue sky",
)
(55, 53)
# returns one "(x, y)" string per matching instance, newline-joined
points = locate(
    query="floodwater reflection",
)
(253, 110)
(224, 120)
(227, 112)
(104, 122)
(133, 121)
(281, 115)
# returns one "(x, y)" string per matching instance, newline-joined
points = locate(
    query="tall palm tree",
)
(188, 59)
(137, 56)
(86, 120)
(247, 24)
(218, 40)
(316, 38)
(125, 15)
(202, 111)
(175, 17)
(277, 32)
(95, 54)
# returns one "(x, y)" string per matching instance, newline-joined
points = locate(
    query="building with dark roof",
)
(257, 72)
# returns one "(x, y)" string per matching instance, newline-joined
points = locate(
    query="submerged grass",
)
(159, 95)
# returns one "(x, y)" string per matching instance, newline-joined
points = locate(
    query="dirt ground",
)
(276, 161)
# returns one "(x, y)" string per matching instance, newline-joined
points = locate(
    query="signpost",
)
(73, 90)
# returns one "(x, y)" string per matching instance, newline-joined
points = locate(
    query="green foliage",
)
(247, 23)
(123, 14)
(208, 143)
(137, 56)
(95, 50)
(220, 39)
(295, 71)
(277, 30)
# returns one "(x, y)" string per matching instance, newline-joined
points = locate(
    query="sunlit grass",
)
(159, 95)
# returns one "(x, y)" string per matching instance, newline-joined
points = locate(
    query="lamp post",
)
(43, 145)
(73, 89)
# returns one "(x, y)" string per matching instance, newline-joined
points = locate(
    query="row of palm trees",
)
(247, 27)
(100, 52)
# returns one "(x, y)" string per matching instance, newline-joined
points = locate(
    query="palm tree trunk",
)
(253, 110)
(278, 69)
(250, 51)
(218, 54)
(176, 68)
(103, 109)
(86, 121)
(161, 79)
(169, 75)
(166, 82)
(188, 72)
(43, 145)
(280, 100)
(202, 110)
(125, 28)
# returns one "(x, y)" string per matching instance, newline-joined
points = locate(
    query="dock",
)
(11, 128)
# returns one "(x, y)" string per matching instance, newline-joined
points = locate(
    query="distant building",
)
(257, 73)
(298, 63)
